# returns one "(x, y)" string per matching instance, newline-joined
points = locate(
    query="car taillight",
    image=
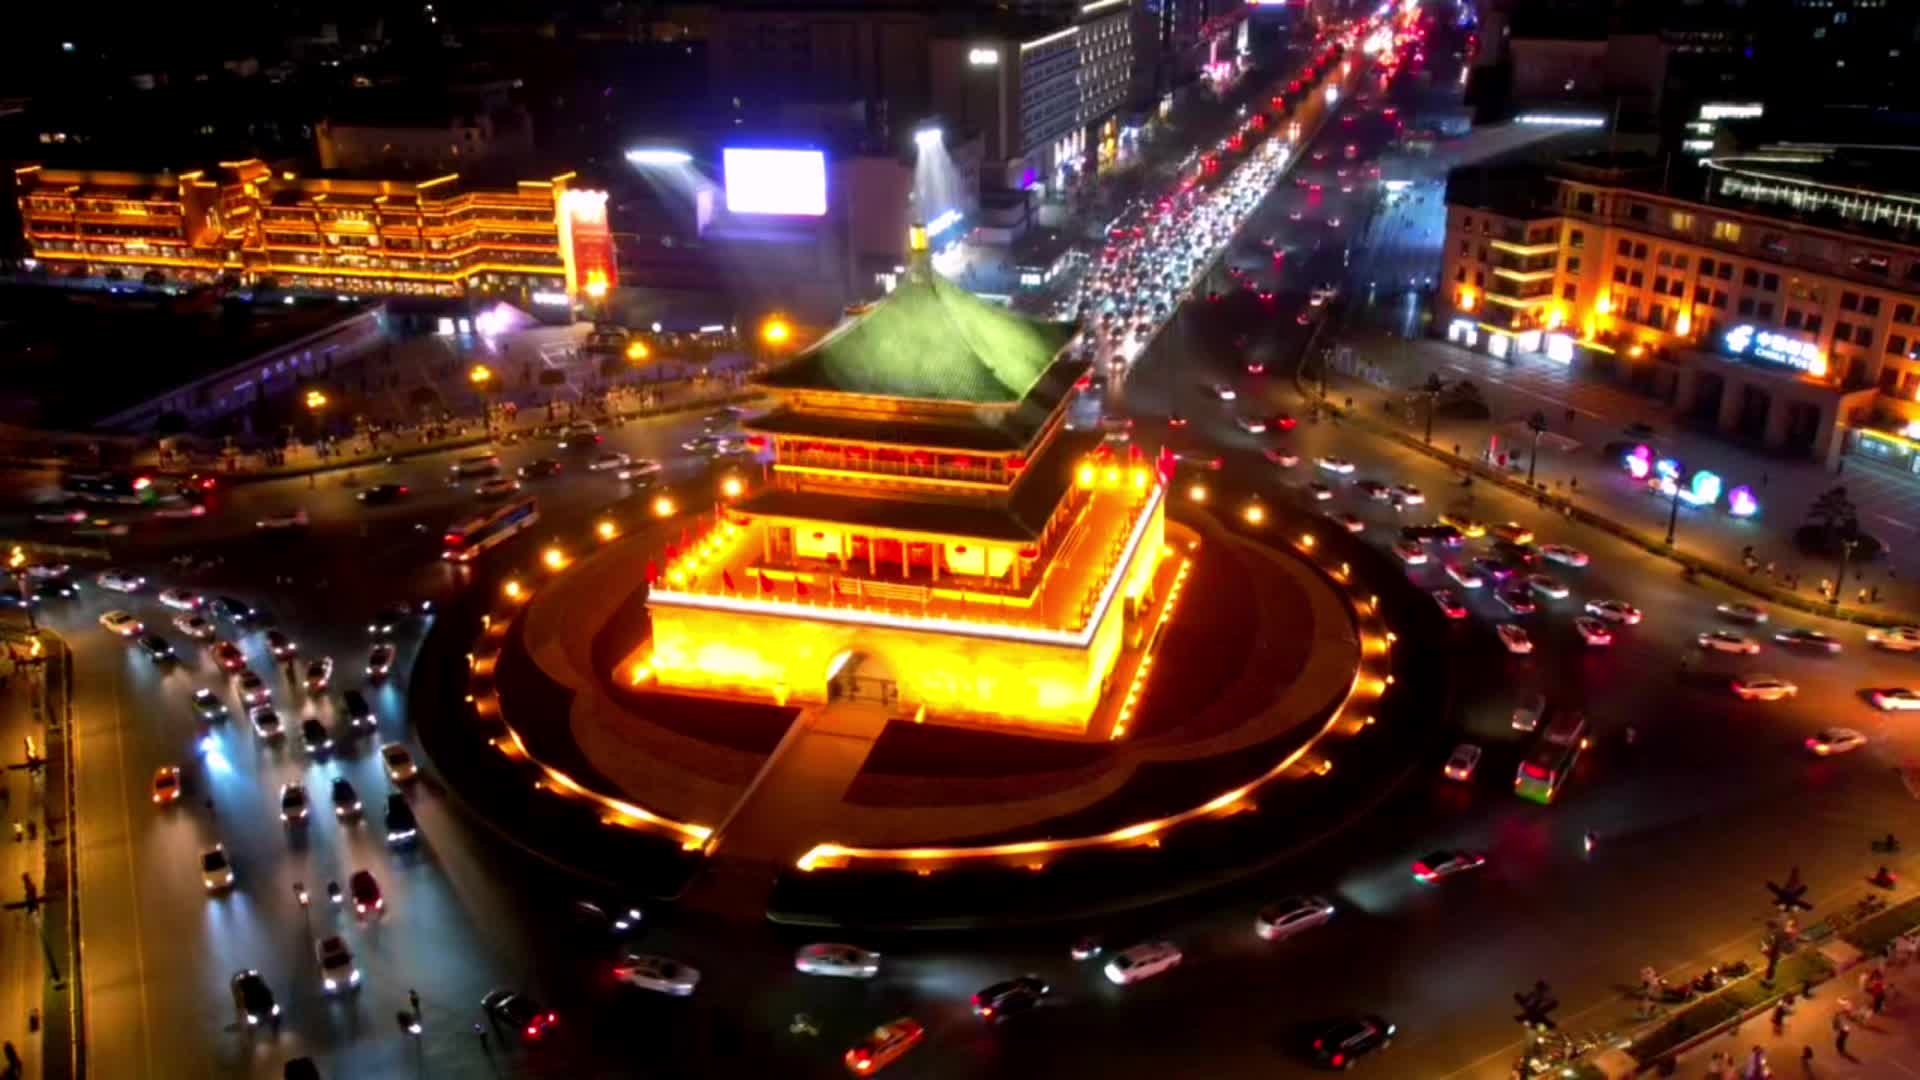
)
(533, 1031)
(1319, 1043)
(1338, 1060)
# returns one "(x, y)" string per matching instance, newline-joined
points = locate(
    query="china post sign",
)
(1749, 342)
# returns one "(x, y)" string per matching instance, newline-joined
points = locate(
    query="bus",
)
(1551, 760)
(109, 487)
(467, 539)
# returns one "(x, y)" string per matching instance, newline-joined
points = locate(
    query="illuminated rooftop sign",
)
(1752, 343)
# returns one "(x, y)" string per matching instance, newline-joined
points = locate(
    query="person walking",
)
(413, 999)
(1841, 1030)
(480, 1031)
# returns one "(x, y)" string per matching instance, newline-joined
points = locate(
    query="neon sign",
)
(1702, 490)
(1741, 503)
(1639, 462)
(1750, 342)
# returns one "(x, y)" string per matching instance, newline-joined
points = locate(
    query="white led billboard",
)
(785, 182)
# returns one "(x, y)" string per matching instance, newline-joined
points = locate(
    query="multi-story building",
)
(442, 136)
(1774, 297)
(542, 240)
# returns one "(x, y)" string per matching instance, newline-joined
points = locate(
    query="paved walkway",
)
(1886, 1046)
(22, 963)
(1571, 463)
(793, 803)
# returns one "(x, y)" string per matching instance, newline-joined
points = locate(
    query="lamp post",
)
(317, 402)
(1846, 561)
(481, 377)
(775, 333)
(1673, 510)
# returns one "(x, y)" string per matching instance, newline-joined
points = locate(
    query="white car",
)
(1410, 553)
(1895, 699)
(1593, 631)
(839, 961)
(1335, 464)
(1547, 586)
(291, 520)
(1614, 611)
(1514, 638)
(1252, 425)
(337, 969)
(1745, 613)
(1319, 491)
(1527, 714)
(1408, 495)
(120, 581)
(609, 459)
(1566, 556)
(644, 469)
(181, 599)
(216, 872)
(1895, 638)
(1142, 962)
(195, 627)
(1283, 458)
(1763, 688)
(1465, 759)
(656, 973)
(1728, 642)
(1351, 522)
(1277, 922)
(1223, 391)
(122, 623)
(398, 762)
(1836, 740)
(1465, 576)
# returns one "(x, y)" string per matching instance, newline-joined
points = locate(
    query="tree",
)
(1537, 423)
(1834, 514)
(1788, 898)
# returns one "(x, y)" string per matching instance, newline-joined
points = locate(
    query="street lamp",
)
(316, 400)
(480, 375)
(637, 351)
(776, 331)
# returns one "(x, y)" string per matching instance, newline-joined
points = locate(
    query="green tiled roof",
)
(930, 340)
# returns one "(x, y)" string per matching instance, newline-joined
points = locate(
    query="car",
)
(253, 689)
(1895, 638)
(1515, 638)
(644, 470)
(1763, 688)
(1593, 631)
(158, 649)
(381, 494)
(1410, 552)
(1408, 495)
(1517, 599)
(884, 1045)
(58, 516)
(476, 465)
(1513, 533)
(166, 785)
(1333, 222)
(120, 581)
(1292, 915)
(1435, 865)
(1490, 568)
(402, 826)
(337, 969)
(319, 674)
(383, 623)
(229, 656)
(180, 599)
(266, 722)
(293, 803)
(1175, 420)
(839, 961)
(253, 999)
(398, 763)
(1346, 1041)
(1464, 576)
(1468, 526)
(607, 918)
(1564, 555)
(1010, 997)
(497, 488)
(656, 973)
(1295, 215)
(1728, 642)
(1835, 740)
(359, 714)
(216, 870)
(1746, 613)
(1614, 611)
(608, 459)
(365, 892)
(379, 661)
(282, 647)
(1450, 604)
(346, 801)
(1222, 391)
(122, 623)
(233, 610)
(194, 626)
(1895, 699)
(1373, 489)
(1142, 962)
(208, 705)
(1252, 425)
(288, 519)
(539, 468)
(1350, 522)
(1319, 491)
(579, 431)
(1808, 639)
(1547, 586)
(519, 1012)
(1335, 464)
(1527, 714)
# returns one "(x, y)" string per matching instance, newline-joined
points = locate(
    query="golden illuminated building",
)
(436, 237)
(928, 524)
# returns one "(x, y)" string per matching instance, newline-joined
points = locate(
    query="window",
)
(1813, 323)
(1889, 380)
(1460, 275)
(1637, 211)
(1573, 264)
(1766, 311)
(1466, 222)
(1479, 280)
(1727, 232)
(1706, 267)
(1908, 383)
(1639, 251)
(1679, 262)
(1770, 282)
(1576, 239)
(1724, 272)
(1719, 299)
(1466, 249)
(1849, 301)
(1665, 259)
(1660, 284)
(1620, 275)
(1751, 278)
(1657, 317)
(1680, 221)
(1870, 305)
(1626, 248)
(1903, 313)
(1793, 318)
(1897, 344)
(1863, 336)
(1483, 253)
(1632, 309)
(1636, 279)
(1842, 332)
(1583, 202)
(1701, 294)
(1570, 292)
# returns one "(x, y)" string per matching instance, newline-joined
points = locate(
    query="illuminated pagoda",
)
(928, 523)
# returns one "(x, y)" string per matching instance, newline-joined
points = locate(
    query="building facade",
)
(1780, 305)
(538, 239)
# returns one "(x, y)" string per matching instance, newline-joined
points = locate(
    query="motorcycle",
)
(333, 892)
(1673, 993)
(300, 893)
(1086, 948)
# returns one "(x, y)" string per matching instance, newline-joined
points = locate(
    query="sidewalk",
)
(1573, 469)
(1887, 1045)
(22, 957)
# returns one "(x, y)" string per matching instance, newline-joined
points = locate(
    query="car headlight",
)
(276, 1010)
(252, 1019)
(330, 983)
(354, 978)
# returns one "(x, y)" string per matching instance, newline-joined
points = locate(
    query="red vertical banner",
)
(586, 244)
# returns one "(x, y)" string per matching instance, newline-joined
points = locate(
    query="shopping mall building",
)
(1774, 297)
